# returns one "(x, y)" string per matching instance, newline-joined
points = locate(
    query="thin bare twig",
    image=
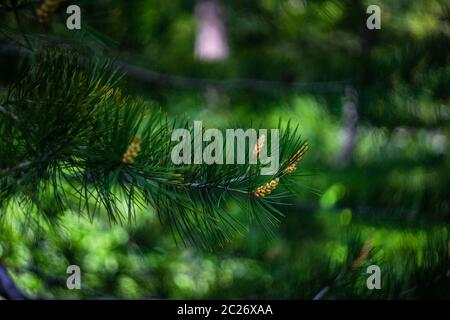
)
(327, 288)
(4, 111)
(151, 76)
(146, 75)
(8, 289)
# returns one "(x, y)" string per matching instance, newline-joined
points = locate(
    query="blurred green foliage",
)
(393, 190)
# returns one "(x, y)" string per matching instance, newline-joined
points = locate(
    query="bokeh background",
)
(373, 105)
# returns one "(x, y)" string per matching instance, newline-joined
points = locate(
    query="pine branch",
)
(27, 164)
(74, 132)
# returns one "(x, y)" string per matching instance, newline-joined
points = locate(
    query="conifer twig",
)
(27, 164)
(115, 145)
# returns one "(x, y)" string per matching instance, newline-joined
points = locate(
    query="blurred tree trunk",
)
(349, 125)
(211, 41)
